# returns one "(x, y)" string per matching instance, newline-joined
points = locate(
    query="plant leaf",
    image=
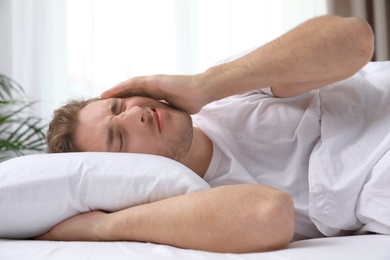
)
(19, 133)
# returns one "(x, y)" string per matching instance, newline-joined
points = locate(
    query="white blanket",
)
(351, 163)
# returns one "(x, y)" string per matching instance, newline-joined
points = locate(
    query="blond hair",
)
(60, 135)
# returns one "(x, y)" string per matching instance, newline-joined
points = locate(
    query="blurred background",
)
(63, 49)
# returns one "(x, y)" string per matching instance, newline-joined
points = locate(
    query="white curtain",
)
(58, 50)
(33, 49)
(376, 13)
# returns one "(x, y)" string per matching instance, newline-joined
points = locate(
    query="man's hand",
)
(85, 227)
(183, 92)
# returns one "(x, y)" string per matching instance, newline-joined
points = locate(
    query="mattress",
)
(373, 247)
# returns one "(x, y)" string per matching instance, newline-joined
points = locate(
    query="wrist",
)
(119, 226)
(203, 88)
(226, 80)
(103, 229)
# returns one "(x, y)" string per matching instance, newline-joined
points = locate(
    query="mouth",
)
(158, 116)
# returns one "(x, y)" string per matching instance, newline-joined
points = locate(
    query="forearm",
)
(318, 52)
(239, 218)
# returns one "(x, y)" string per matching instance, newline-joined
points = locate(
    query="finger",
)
(117, 90)
(107, 94)
(45, 236)
(41, 237)
(132, 87)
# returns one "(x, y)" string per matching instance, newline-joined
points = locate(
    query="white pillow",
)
(39, 191)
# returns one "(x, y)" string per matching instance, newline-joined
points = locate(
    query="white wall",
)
(59, 49)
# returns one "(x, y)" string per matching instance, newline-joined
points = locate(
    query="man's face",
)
(136, 125)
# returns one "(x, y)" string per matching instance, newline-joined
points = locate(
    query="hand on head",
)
(183, 92)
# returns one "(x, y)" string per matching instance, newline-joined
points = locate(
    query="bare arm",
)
(318, 52)
(239, 218)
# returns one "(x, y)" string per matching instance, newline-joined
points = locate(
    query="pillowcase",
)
(39, 191)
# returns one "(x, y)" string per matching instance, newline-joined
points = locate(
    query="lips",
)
(158, 115)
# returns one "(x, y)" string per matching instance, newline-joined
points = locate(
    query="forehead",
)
(95, 111)
(90, 130)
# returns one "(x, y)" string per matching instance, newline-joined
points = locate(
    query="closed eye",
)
(115, 108)
(119, 107)
(122, 106)
(120, 142)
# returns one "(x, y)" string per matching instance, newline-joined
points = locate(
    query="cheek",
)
(143, 144)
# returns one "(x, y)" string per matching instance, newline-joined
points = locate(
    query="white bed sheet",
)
(373, 247)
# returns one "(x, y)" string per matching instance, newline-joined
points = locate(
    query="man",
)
(254, 140)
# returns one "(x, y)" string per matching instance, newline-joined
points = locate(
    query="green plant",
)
(20, 132)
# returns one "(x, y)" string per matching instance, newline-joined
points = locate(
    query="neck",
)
(199, 156)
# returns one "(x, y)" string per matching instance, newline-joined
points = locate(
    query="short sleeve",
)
(267, 91)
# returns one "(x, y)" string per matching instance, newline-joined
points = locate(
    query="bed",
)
(38, 191)
(373, 247)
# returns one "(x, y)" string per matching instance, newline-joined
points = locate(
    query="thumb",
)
(119, 90)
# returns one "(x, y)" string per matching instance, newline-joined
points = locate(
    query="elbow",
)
(361, 37)
(280, 221)
(366, 41)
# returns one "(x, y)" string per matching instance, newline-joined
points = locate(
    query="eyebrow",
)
(110, 134)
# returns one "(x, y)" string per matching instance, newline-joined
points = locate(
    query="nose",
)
(133, 116)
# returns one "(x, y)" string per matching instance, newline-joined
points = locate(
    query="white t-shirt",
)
(320, 147)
